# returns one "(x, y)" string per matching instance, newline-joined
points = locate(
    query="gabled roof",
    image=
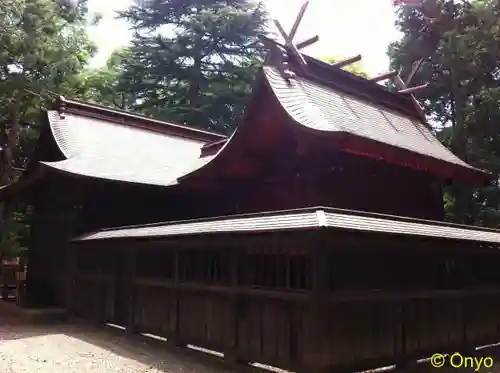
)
(371, 120)
(102, 149)
(323, 100)
(109, 144)
(302, 219)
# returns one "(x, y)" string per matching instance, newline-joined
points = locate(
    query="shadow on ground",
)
(79, 347)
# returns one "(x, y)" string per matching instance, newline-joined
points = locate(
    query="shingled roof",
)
(303, 219)
(106, 150)
(373, 121)
(110, 144)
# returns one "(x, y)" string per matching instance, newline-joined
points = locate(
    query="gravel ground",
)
(80, 348)
(68, 348)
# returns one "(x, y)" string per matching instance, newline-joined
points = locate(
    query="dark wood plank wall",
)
(357, 185)
(308, 302)
(55, 218)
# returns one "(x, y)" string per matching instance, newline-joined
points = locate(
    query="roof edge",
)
(304, 220)
(319, 211)
(221, 150)
(53, 166)
(71, 106)
(460, 172)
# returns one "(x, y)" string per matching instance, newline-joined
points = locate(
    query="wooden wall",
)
(357, 185)
(54, 224)
(307, 302)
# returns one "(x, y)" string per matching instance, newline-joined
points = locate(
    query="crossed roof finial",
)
(404, 85)
(292, 48)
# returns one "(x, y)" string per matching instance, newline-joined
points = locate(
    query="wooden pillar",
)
(130, 275)
(232, 355)
(318, 356)
(176, 338)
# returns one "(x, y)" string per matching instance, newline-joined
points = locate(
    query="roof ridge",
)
(123, 117)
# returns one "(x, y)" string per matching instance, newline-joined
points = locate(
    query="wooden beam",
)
(289, 44)
(414, 89)
(414, 70)
(388, 75)
(399, 82)
(403, 88)
(281, 30)
(307, 42)
(296, 24)
(419, 109)
(347, 61)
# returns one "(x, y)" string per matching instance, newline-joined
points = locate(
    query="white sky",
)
(345, 28)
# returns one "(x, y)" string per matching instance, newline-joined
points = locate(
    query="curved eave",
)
(366, 129)
(244, 134)
(104, 150)
(59, 128)
(71, 168)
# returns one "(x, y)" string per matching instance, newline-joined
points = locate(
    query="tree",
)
(44, 47)
(194, 61)
(107, 85)
(461, 51)
(355, 68)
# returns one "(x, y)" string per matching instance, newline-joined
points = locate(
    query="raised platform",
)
(15, 312)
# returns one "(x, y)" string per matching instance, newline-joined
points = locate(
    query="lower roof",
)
(99, 148)
(302, 219)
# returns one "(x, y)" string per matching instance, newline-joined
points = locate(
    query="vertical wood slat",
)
(318, 358)
(130, 274)
(234, 351)
(176, 337)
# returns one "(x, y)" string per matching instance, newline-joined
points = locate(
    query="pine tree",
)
(194, 61)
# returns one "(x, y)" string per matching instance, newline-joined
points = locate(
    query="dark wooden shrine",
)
(312, 239)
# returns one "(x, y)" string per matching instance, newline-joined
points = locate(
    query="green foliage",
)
(15, 237)
(193, 61)
(355, 68)
(44, 48)
(461, 51)
(107, 85)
